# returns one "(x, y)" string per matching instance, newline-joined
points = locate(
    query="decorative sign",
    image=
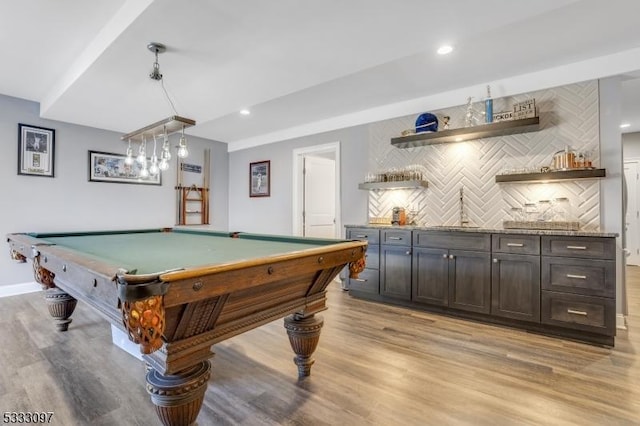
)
(194, 168)
(524, 109)
(503, 116)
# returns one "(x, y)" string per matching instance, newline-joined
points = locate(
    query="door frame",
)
(636, 161)
(298, 181)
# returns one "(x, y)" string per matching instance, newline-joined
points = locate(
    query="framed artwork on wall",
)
(36, 148)
(260, 179)
(108, 167)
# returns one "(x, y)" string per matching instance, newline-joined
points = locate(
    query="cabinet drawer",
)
(396, 237)
(601, 248)
(364, 234)
(452, 240)
(372, 257)
(516, 244)
(594, 314)
(368, 281)
(591, 277)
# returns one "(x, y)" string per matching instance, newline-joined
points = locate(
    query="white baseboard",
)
(121, 340)
(16, 289)
(621, 322)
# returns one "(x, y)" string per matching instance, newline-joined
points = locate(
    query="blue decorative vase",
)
(426, 122)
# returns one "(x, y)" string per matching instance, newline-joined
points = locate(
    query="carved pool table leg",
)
(60, 306)
(304, 334)
(178, 397)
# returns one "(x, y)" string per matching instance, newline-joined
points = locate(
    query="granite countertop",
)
(490, 230)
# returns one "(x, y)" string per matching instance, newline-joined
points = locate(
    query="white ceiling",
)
(302, 67)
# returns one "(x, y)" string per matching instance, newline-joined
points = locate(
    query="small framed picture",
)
(260, 179)
(35, 150)
(108, 167)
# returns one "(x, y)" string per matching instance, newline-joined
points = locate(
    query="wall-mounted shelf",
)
(501, 128)
(553, 175)
(407, 184)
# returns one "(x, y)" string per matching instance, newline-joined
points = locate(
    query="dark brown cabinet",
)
(368, 280)
(395, 264)
(430, 276)
(515, 286)
(554, 284)
(446, 276)
(515, 277)
(579, 284)
(470, 281)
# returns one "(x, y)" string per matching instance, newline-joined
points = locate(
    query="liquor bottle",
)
(488, 106)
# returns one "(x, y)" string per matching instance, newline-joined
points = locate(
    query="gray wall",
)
(70, 202)
(274, 214)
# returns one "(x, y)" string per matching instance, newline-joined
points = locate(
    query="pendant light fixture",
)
(159, 130)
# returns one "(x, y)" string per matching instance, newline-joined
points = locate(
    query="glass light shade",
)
(144, 172)
(142, 154)
(164, 165)
(129, 159)
(166, 149)
(154, 169)
(182, 147)
(183, 152)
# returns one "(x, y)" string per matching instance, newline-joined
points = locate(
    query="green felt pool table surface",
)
(153, 251)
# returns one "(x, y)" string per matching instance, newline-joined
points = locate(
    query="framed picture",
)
(108, 167)
(260, 179)
(35, 150)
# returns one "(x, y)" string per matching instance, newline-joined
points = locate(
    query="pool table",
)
(178, 291)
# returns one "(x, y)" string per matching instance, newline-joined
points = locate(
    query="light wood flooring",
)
(375, 365)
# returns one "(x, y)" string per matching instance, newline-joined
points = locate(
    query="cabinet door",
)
(515, 287)
(395, 272)
(470, 281)
(430, 276)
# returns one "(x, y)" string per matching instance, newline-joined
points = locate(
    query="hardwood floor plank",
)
(375, 365)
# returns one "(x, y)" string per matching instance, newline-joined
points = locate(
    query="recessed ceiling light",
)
(245, 112)
(443, 50)
(625, 125)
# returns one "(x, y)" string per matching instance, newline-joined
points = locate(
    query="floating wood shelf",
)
(553, 175)
(501, 128)
(407, 184)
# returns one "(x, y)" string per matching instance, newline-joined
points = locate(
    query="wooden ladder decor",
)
(193, 200)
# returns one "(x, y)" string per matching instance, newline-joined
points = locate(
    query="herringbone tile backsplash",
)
(569, 116)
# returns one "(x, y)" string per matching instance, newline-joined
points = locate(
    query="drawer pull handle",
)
(361, 236)
(574, 312)
(359, 280)
(515, 245)
(395, 238)
(451, 256)
(495, 260)
(408, 252)
(576, 247)
(580, 277)
(445, 255)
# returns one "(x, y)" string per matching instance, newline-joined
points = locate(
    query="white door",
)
(319, 197)
(632, 218)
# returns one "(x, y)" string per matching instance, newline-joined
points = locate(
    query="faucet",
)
(464, 221)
